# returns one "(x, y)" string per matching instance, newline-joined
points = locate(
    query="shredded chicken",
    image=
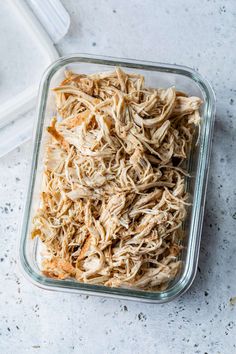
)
(113, 198)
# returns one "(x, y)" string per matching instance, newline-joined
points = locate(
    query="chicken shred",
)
(113, 198)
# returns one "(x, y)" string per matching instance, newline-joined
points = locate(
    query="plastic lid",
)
(27, 48)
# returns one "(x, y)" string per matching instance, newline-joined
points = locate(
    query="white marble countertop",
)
(200, 35)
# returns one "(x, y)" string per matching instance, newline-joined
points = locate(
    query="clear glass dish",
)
(156, 75)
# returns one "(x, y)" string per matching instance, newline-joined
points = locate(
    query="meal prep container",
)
(156, 75)
(32, 27)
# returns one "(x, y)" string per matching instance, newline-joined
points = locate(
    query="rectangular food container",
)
(156, 75)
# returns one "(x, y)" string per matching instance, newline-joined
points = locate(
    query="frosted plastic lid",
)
(29, 31)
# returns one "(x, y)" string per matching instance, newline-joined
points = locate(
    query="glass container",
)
(156, 75)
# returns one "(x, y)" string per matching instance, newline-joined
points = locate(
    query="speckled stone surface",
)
(200, 35)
